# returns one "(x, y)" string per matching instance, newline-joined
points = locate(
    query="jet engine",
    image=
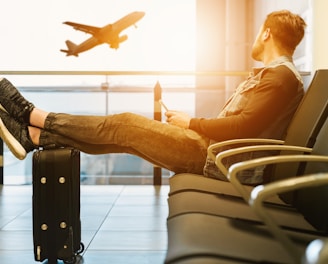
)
(115, 45)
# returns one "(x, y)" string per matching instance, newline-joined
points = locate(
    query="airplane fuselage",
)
(86, 45)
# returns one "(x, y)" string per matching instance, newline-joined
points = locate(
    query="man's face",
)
(258, 47)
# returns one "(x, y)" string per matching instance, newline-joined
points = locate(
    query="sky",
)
(33, 34)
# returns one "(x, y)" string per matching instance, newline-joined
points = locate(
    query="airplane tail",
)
(71, 49)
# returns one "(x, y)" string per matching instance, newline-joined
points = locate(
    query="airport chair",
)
(219, 238)
(210, 227)
(233, 206)
(302, 132)
(310, 194)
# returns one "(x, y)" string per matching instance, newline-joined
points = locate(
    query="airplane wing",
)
(85, 28)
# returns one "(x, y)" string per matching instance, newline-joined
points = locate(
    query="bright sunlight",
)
(33, 34)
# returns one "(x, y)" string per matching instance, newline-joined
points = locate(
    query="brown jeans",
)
(171, 147)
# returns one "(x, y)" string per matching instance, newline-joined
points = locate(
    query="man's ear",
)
(266, 34)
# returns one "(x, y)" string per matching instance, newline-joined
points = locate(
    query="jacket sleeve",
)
(276, 89)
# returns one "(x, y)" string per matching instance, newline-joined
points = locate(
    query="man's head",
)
(284, 29)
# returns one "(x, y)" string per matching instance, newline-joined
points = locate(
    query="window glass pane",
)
(162, 40)
(33, 34)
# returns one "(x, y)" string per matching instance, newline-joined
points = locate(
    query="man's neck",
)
(272, 54)
(270, 57)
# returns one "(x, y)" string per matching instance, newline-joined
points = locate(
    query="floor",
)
(120, 224)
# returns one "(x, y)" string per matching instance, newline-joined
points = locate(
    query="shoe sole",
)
(3, 109)
(14, 146)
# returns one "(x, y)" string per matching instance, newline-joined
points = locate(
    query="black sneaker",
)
(15, 135)
(14, 103)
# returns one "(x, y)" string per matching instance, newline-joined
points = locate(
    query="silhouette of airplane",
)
(108, 34)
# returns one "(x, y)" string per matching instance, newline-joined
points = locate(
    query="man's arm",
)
(277, 87)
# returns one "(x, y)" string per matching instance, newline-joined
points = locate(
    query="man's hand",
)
(177, 118)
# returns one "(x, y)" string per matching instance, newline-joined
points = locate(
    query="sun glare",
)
(33, 34)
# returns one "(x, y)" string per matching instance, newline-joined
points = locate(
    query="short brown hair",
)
(287, 28)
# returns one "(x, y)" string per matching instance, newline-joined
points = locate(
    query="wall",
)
(223, 44)
(320, 34)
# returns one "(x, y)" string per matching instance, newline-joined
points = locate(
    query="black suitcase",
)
(56, 205)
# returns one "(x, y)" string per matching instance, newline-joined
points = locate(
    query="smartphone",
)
(164, 106)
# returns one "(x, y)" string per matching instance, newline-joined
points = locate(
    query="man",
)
(262, 106)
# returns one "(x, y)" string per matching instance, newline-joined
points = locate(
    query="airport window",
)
(161, 40)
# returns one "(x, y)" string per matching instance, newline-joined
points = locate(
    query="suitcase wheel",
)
(81, 249)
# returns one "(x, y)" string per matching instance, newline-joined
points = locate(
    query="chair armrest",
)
(244, 165)
(211, 149)
(262, 192)
(230, 152)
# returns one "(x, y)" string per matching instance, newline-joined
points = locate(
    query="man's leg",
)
(171, 147)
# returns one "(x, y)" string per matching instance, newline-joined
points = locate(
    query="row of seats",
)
(212, 221)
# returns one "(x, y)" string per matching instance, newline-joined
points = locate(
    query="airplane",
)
(109, 34)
